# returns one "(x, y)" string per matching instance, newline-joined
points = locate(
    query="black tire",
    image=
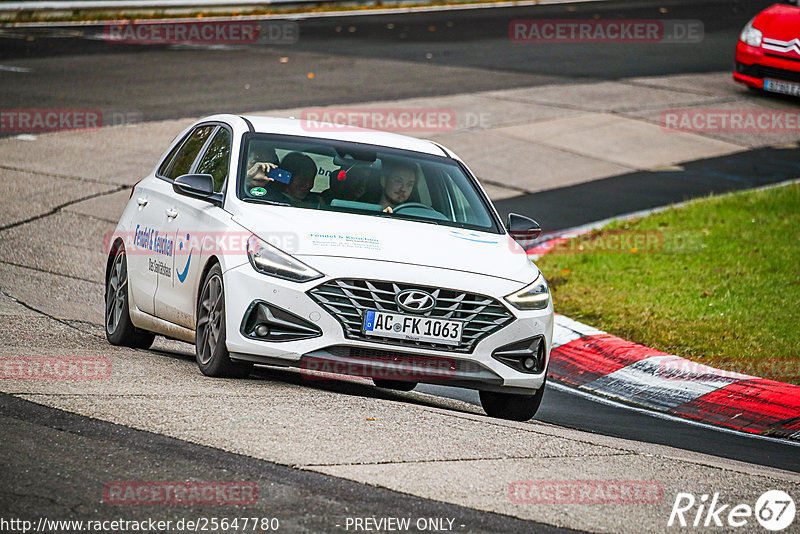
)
(511, 406)
(211, 349)
(399, 385)
(118, 326)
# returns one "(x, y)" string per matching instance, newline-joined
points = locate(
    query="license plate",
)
(411, 328)
(778, 86)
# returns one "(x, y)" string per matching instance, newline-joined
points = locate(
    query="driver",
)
(398, 183)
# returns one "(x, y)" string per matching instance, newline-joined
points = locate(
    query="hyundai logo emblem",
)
(415, 301)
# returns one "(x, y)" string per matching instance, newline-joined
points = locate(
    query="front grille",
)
(348, 299)
(779, 56)
(762, 71)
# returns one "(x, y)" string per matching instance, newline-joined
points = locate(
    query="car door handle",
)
(171, 213)
(141, 201)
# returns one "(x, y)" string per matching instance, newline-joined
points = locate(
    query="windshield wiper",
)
(266, 201)
(413, 218)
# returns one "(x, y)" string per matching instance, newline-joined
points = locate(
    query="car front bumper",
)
(325, 347)
(753, 65)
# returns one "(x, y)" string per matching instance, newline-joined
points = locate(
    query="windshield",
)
(360, 179)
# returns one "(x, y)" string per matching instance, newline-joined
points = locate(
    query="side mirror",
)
(197, 186)
(523, 229)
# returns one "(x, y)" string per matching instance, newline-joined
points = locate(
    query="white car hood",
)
(307, 233)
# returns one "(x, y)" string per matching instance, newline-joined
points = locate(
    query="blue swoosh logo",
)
(471, 237)
(182, 276)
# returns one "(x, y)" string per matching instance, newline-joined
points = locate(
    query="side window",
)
(162, 171)
(462, 207)
(181, 163)
(217, 158)
(422, 189)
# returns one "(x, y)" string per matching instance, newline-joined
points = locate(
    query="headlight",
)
(750, 35)
(269, 260)
(535, 296)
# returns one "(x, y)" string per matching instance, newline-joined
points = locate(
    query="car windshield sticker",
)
(258, 191)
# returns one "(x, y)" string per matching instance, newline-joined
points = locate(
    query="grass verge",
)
(716, 281)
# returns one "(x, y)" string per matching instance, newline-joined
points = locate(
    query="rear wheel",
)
(399, 385)
(119, 328)
(511, 406)
(210, 343)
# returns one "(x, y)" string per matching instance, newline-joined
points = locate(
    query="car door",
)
(144, 225)
(150, 251)
(150, 264)
(197, 231)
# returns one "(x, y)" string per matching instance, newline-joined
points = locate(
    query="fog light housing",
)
(266, 322)
(526, 356)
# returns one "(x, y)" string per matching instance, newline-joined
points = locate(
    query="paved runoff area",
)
(63, 191)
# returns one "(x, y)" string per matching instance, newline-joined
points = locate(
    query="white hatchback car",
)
(335, 250)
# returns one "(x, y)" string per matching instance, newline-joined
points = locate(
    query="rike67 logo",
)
(774, 510)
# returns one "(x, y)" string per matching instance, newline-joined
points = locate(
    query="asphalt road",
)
(384, 57)
(421, 55)
(576, 205)
(91, 453)
(562, 406)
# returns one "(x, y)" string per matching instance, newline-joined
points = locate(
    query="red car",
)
(768, 52)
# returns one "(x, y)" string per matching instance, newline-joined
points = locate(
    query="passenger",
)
(398, 183)
(260, 160)
(352, 187)
(298, 191)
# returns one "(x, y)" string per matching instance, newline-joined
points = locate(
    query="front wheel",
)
(211, 349)
(511, 406)
(119, 328)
